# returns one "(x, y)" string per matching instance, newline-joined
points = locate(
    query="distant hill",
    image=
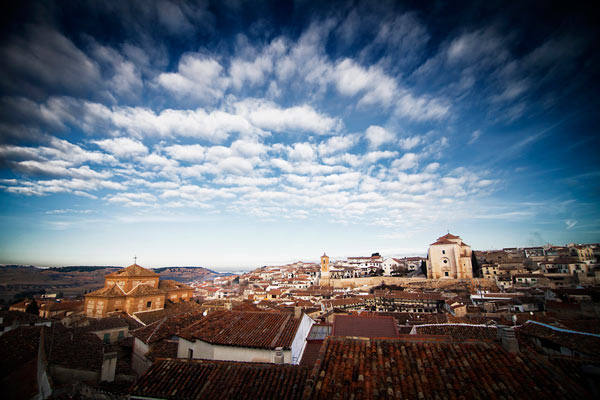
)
(24, 280)
(80, 268)
(187, 274)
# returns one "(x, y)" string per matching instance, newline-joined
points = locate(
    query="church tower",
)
(324, 269)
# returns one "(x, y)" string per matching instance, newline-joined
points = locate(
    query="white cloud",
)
(377, 135)
(407, 161)
(474, 136)
(122, 147)
(267, 115)
(336, 144)
(410, 142)
(137, 199)
(235, 165)
(421, 108)
(432, 167)
(377, 87)
(301, 152)
(198, 77)
(374, 156)
(213, 126)
(190, 153)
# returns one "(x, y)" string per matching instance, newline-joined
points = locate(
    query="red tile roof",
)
(419, 368)
(148, 317)
(111, 291)
(166, 327)
(587, 344)
(200, 379)
(459, 332)
(170, 285)
(133, 270)
(311, 353)
(245, 328)
(404, 295)
(354, 325)
(145, 290)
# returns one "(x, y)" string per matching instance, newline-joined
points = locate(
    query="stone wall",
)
(415, 282)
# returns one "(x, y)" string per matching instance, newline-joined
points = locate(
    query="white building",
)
(449, 258)
(246, 336)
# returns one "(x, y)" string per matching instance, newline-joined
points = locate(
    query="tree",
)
(32, 308)
(477, 273)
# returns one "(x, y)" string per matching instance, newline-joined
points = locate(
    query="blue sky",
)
(236, 134)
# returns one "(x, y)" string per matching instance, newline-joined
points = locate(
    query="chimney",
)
(297, 312)
(507, 338)
(109, 366)
(278, 355)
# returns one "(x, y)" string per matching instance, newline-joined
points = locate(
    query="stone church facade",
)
(449, 258)
(132, 290)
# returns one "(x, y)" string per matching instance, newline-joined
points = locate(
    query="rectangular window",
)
(190, 354)
(121, 334)
(107, 338)
(149, 304)
(446, 273)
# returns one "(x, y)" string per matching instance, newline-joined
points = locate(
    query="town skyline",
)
(244, 134)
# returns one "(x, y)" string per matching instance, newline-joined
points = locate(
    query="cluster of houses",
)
(434, 329)
(548, 266)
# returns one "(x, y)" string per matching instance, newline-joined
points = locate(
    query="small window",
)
(107, 338)
(443, 251)
(446, 273)
(445, 261)
(190, 354)
(149, 304)
(121, 334)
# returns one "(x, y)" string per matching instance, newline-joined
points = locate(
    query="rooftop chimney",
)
(278, 355)
(109, 366)
(507, 338)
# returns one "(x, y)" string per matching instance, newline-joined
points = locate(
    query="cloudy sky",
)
(237, 134)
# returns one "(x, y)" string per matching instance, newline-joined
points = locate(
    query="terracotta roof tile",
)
(111, 291)
(145, 290)
(200, 379)
(459, 332)
(166, 327)
(245, 328)
(372, 326)
(169, 285)
(133, 270)
(429, 369)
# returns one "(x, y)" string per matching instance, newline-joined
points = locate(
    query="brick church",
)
(134, 289)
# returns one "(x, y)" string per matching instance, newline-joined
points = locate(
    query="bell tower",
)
(324, 269)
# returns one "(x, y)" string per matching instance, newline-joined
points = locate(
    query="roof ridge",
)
(155, 329)
(280, 332)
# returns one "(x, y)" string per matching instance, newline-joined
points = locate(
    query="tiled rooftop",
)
(133, 270)
(145, 290)
(459, 332)
(19, 318)
(112, 322)
(148, 317)
(198, 379)
(404, 295)
(354, 325)
(166, 327)
(111, 291)
(168, 285)
(419, 368)
(582, 343)
(246, 329)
